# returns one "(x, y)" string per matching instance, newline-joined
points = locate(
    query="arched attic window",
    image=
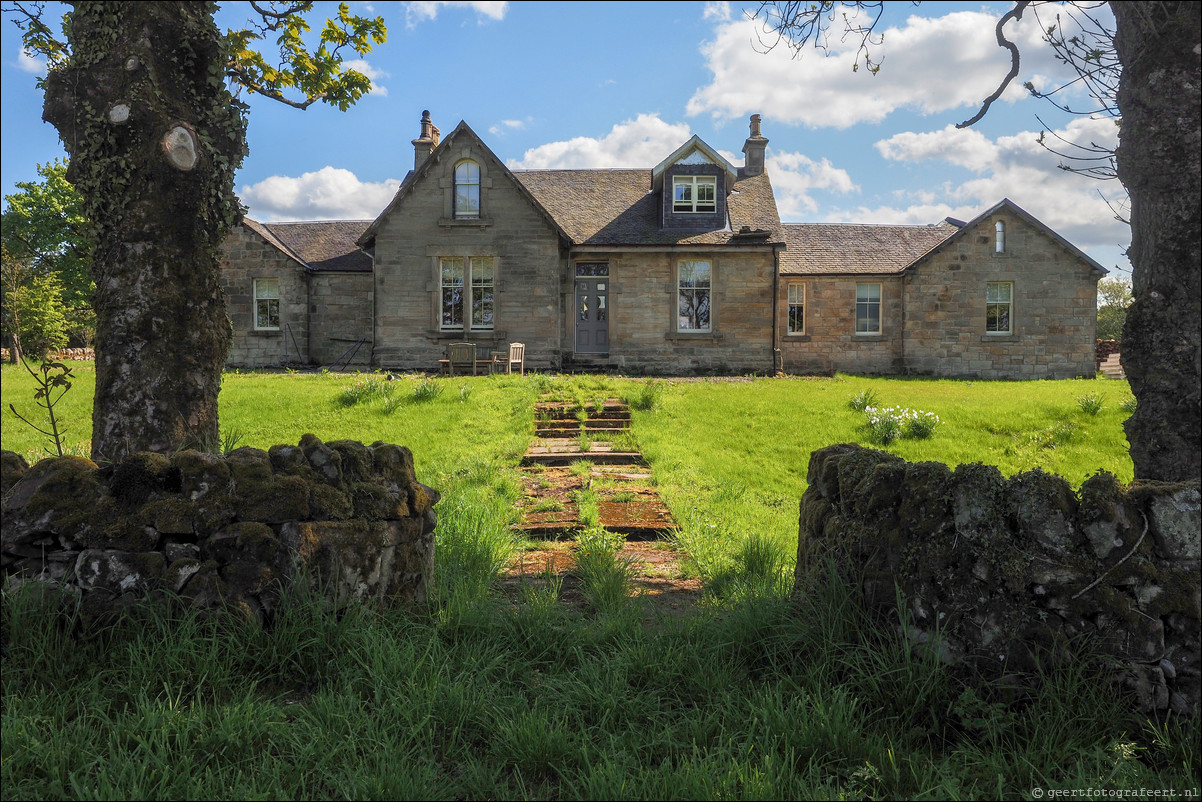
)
(1000, 229)
(467, 190)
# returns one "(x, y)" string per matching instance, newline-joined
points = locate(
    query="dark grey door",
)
(592, 315)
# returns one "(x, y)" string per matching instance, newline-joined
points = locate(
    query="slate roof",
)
(617, 207)
(321, 246)
(842, 248)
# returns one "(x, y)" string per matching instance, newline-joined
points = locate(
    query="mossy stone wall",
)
(222, 531)
(1008, 574)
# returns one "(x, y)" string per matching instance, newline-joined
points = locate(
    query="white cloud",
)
(929, 65)
(330, 193)
(27, 62)
(506, 125)
(420, 11)
(641, 142)
(795, 176)
(719, 11)
(1015, 167)
(373, 74)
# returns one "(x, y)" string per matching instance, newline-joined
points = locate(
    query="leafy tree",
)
(140, 95)
(1114, 296)
(44, 227)
(1158, 70)
(41, 320)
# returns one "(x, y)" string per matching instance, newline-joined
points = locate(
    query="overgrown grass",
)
(762, 701)
(753, 696)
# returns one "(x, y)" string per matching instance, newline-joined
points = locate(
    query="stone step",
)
(1112, 368)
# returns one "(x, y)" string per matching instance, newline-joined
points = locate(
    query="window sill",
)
(710, 336)
(998, 336)
(874, 336)
(266, 332)
(462, 336)
(464, 222)
(797, 338)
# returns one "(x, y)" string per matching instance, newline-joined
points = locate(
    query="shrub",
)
(1090, 404)
(1128, 404)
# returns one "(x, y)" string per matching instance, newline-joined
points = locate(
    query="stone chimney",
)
(425, 144)
(753, 149)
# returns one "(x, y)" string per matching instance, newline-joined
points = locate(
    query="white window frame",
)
(994, 304)
(691, 186)
(796, 298)
(475, 279)
(261, 293)
(696, 287)
(468, 184)
(869, 303)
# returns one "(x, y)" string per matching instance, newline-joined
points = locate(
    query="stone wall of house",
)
(246, 256)
(830, 342)
(1054, 317)
(340, 311)
(1008, 574)
(643, 306)
(523, 245)
(222, 531)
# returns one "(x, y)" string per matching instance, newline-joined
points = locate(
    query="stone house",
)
(682, 268)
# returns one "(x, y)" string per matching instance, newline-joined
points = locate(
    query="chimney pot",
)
(753, 149)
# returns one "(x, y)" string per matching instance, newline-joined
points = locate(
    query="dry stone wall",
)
(222, 531)
(1011, 574)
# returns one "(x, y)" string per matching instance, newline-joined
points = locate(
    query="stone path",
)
(584, 468)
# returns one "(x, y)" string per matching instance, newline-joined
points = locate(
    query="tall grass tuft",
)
(1091, 403)
(366, 389)
(427, 390)
(863, 400)
(606, 577)
(646, 396)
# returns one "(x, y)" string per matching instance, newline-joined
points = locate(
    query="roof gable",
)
(695, 151)
(1031, 220)
(435, 157)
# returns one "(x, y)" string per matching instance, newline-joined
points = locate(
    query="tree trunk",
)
(1158, 163)
(154, 139)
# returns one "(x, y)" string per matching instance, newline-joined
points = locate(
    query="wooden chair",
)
(462, 356)
(517, 356)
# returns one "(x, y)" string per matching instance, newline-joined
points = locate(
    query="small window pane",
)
(868, 308)
(693, 296)
(467, 190)
(797, 297)
(267, 303)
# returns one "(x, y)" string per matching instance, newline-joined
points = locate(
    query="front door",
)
(592, 315)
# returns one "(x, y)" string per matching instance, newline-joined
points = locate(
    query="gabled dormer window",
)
(694, 194)
(467, 190)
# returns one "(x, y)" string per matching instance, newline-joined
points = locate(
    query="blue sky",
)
(556, 85)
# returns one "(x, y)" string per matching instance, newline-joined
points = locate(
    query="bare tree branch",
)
(1015, 13)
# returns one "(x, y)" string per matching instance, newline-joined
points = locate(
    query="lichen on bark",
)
(162, 330)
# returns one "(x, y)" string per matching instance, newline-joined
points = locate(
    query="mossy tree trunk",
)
(1158, 163)
(154, 138)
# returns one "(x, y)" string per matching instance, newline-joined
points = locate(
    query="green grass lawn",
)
(478, 696)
